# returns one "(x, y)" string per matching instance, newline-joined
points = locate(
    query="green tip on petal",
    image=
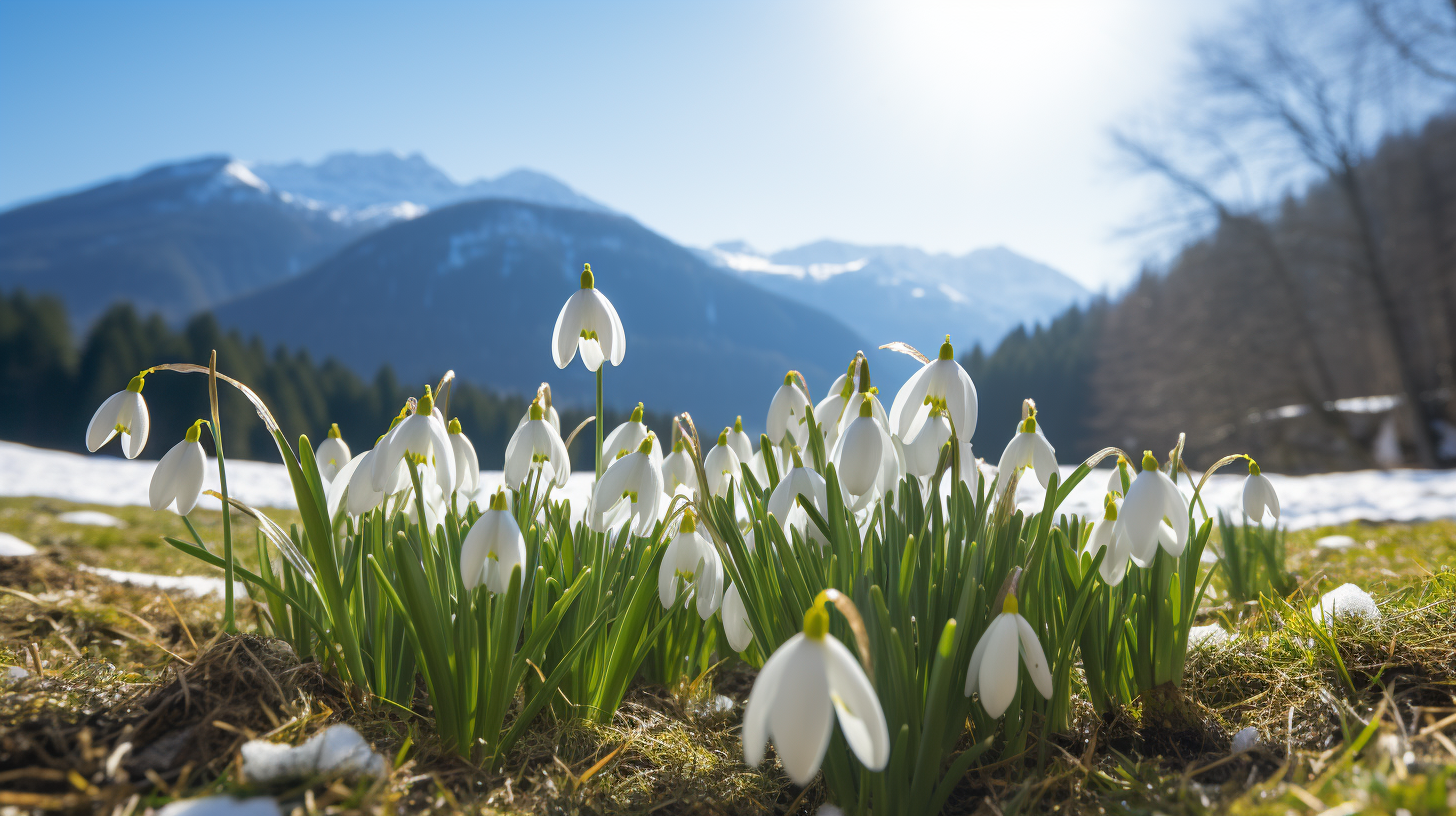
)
(947, 351)
(334, 431)
(587, 281)
(689, 521)
(1150, 462)
(865, 408)
(1253, 467)
(637, 413)
(738, 425)
(816, 622)
(135, 386)
(1028, 425)
(1111, 514)
(1009, 605)
(426, 405)
(723, 437)
(536, 411)
(454, 426)
(194, 433)
(646, 446)
(947, 638)
(789, 378)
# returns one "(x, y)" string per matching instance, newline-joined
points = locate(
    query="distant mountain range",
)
(384, 258)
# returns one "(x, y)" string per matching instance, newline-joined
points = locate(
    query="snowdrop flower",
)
(467, 465)
(1151, 498)
(993, 671)
(626, 437)
(691, 561)
(859, 453)
(740, 442)
(1029, 448)
(1107, 534)
(678, 470)
(536, 444)
(830, 410)
(589, 323)
(362, 497)
(1259, 495)
(808, 679)
(786, 413)
(1114, 482)
(332, 454)
(735, 620)
(783, 503)
(941, 379)
(720, 466)
(420, 438)
(922, 451)
(179, 475)
(543, 397)
(633, 478)
(493, 548)
(124, 412)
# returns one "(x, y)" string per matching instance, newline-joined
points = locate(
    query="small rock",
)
(828, 810)
(1335, 542)
(1210, 635)
(14, 675)
(13, 547)
(92, 518)
(1246, 740)
(336, 751)
(222, 806)
(1346, 601)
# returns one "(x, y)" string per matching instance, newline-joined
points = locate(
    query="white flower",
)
(179, 475)
(941, 380)
(735, 620)
(588, 322)
(421, 437)
(783, 502)
(691, 560)
(1259, 495)
(1114, 482)
(799, 690)
(536, 444)
(1108, 534)
(332, 454)
(1151, 498)
(548, 411)
(678, 471)
(740, 442)
(124, 412)
(922, 451)
(830, 410)
(1029, 448)
(467, 464)
(993, 670)
(362, 497)
(493, 548)
(626, 438)
(720, 466)
(786, 413)
(634, 478)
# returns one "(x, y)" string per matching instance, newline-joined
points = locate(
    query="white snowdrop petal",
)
(735, 620)
(1043, 458)
(103, 423)
(978, 654)
(761, 698)
(189, 476)
(136, 418)
(997, 684)
(860, 716)
(1034, 658)
(802, 717)
(908, 402)
(163, 488)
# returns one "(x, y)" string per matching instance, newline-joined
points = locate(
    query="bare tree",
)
(1420, 32)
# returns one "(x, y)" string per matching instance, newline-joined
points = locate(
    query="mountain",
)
(477, 287)
(901, 293)
(388, 185)
(173, 239)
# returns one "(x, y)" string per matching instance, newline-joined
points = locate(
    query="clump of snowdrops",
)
(893, 596)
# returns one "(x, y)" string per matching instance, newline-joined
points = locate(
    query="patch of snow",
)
(748, 262)
(1246, 740)
(336, 751)
(14, 675)
(199, 585)
(1335, 542)
(1211, 635)
(91, 518)
(222, 806)
(952, 294)
(12, 547)
(1346, 601)
(240, 174)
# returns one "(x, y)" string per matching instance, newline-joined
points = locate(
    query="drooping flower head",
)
(831, 409)
(720, 466)
(588, 323)
(548, 411)
(467, 464)
(125, 413)
(1108, 534)
(1029, 448)
(735, 620)
(179, 475)
(691, 562)
(493, 548)
(1259, 495)
(421, 438)
(1121, 471)
(739, 440)
(678, 471)
(994, 673)
(634, 479)
(536, 444)
(800, 484)
(626, 438)
(1151, 499)
(803, 686)
(940, 379)
(787, 413)
(332, 454)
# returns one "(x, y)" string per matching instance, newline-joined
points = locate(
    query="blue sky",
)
(941, 124)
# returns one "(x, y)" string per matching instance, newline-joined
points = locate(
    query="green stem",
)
(228, 616)
(599, 420)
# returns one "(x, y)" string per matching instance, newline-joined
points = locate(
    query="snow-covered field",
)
(1308, 501)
